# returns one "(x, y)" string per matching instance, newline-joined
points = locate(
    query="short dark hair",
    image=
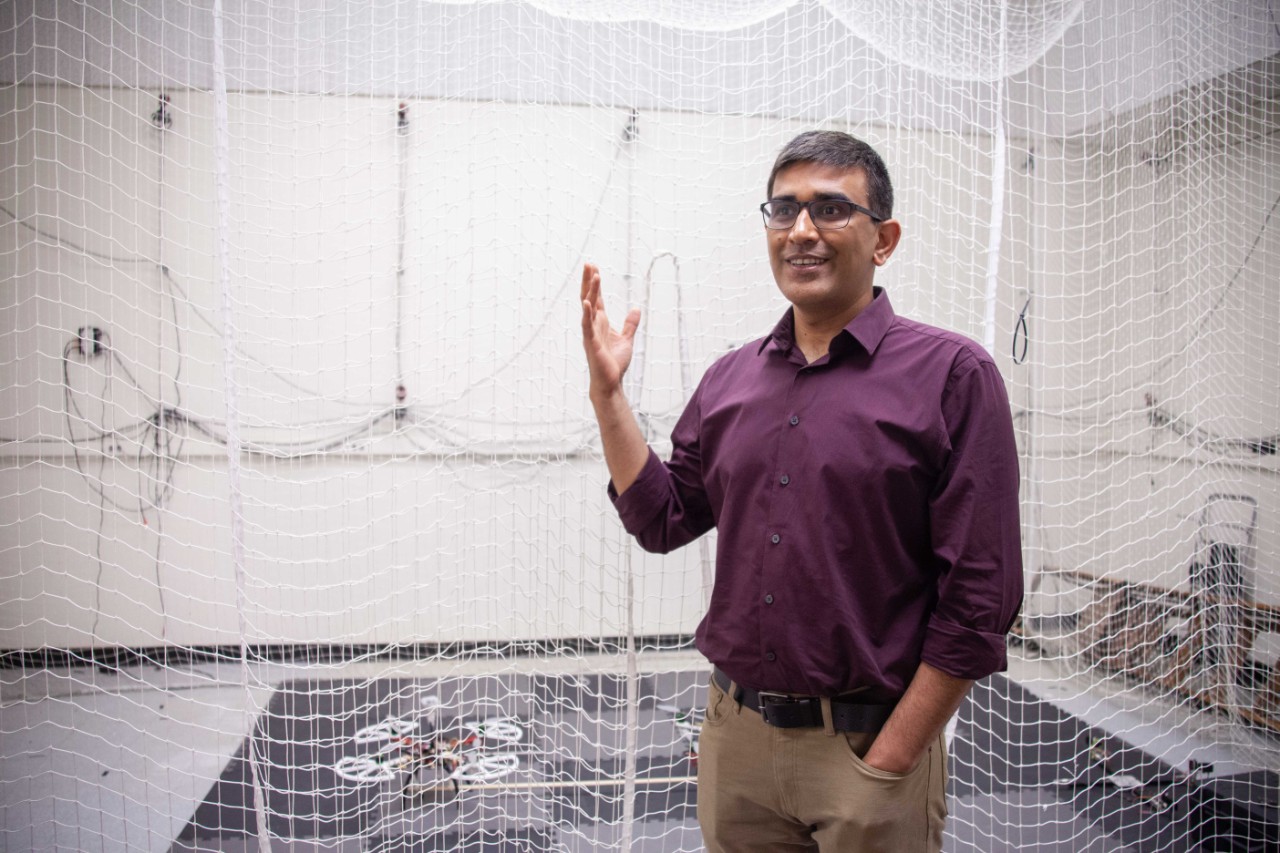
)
(839, 149)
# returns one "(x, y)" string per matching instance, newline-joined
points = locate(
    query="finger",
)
(591, 286)
(595, 292)
(630, 324)
(588, 320)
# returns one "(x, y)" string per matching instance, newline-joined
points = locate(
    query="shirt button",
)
(795, 419)
(785, 479)
(768, 599)
(770, 656)
(775, 539)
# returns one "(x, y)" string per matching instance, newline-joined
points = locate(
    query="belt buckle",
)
(765, 698)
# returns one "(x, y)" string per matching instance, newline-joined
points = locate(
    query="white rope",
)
(402, 195)
(632, 710)
(222, 191)
(999, 155)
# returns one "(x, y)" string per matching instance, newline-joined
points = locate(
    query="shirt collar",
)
(868, 328)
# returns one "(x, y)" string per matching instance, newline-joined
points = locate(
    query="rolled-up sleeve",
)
(666, 507)
(975, 527)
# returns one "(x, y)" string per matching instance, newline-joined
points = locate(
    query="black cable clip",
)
(401, 410)
(88, 342)
(162, 118)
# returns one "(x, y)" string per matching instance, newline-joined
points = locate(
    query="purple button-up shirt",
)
(867, 508)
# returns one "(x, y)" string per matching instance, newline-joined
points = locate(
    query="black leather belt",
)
(793, 712)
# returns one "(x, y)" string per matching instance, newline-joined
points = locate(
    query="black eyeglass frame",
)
(854, 207)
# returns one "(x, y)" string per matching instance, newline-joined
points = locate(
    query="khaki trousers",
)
(762, 788)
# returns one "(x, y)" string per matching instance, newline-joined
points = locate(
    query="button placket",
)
(782, 507)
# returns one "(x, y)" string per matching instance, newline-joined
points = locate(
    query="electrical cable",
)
(159, 439)
(157, 455)
(97, 553)
(176, 286)
(1203, 439)
(295, 449)
(70, 405)
(204, 318)
(167, 275)
(64, 243)
(161, 426)
(1020, 330)
(623, 140)
(1222, 296)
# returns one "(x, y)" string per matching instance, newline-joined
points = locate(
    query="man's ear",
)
(887, 240)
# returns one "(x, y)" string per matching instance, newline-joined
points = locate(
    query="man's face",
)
(827, 274)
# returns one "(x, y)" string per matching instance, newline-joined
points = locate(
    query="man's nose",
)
(803, 230)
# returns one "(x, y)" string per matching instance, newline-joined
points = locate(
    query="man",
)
(861, 470)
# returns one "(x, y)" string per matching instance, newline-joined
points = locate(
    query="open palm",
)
(608, 350)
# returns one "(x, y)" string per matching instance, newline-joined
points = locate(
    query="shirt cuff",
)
(963, 652)
(645, 498)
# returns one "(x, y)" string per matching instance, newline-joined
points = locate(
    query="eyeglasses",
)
(827, 213)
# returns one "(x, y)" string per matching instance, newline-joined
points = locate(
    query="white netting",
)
(705, 15)
(974, 40)
(303, 532)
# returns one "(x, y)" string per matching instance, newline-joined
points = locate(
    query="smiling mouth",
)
(806, 263)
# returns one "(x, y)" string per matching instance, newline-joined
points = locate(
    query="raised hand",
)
(608, 350)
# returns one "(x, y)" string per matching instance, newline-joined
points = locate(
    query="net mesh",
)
(304, 532)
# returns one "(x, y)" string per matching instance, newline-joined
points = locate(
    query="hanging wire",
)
(166, 428)
(1020, 333)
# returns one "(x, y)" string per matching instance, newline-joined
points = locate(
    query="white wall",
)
(485, 517)
(1159, 279)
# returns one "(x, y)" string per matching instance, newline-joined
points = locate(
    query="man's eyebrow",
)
(820, 196)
